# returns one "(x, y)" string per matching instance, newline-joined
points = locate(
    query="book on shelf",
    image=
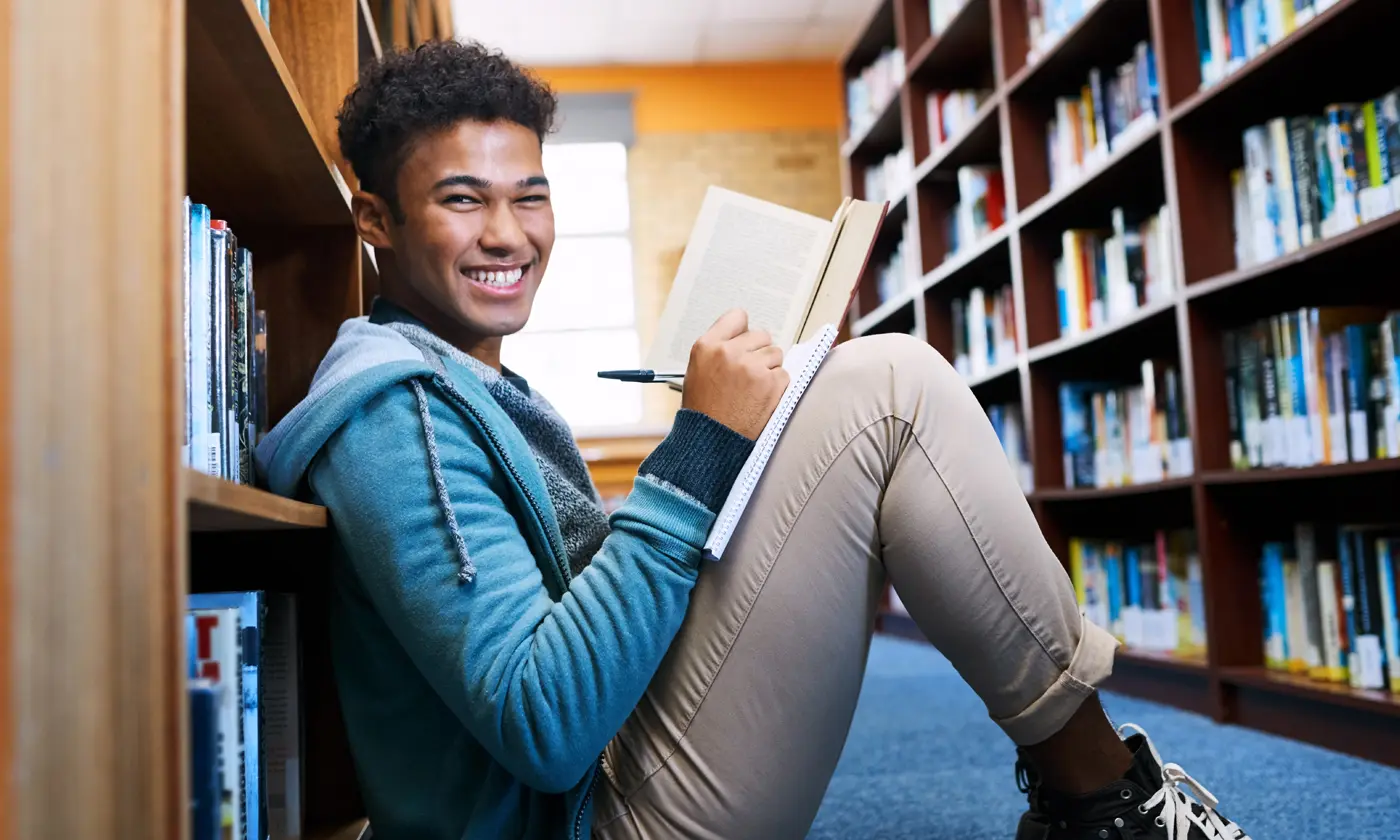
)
(1146, 591)
(1103, 276)
(1329, 600)
(1010, 426)
(1306, 178)
(891, 177)
(951, 113)
(900, 272)
(244, 678)
(1102, 116)
(1313, 386)
(225, 350)
(1047, 21)
(870, 93)
(1229, 33)
(984, 330)
(1116, 435)
(979, 210)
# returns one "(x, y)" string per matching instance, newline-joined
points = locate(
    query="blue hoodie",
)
(479, 680)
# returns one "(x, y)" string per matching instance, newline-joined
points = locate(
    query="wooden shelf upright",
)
(1181, 161)
(106, 531)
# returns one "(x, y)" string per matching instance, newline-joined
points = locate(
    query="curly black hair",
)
(429, 88)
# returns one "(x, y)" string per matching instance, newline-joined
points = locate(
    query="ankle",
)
(1084, 756)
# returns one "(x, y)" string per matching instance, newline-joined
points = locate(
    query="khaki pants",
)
(888, 467)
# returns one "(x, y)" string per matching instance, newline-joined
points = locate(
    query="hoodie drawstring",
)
(466, 571)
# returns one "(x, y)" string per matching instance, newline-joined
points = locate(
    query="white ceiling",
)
(589, 32)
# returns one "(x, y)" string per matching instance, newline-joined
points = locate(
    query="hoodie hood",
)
(365, 359)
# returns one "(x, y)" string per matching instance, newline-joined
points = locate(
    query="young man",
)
(512, 664)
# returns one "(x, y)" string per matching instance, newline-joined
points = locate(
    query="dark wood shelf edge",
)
(921, 56)
(1184, 662)
(1242, 275)
(1068, 494)
(1275, 475)
(1004, 369)
(1056, 197)
(1297, 685)
(216, 504)
(948, 268)
(884, 312)
(1267, 57)
(1050, 349)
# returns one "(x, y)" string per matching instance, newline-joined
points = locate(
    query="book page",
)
(745, 253)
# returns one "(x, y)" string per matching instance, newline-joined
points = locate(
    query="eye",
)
(460, 200)
(533, 199)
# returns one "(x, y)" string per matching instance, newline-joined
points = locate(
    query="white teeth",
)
(499, 279)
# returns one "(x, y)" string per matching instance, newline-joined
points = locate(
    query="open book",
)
(790, 271)
(794, 274)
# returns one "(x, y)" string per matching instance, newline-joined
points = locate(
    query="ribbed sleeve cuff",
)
(701, 457)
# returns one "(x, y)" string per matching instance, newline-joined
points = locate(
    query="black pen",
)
(638, 375)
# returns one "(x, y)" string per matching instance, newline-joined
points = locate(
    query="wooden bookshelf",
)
(1180, 161)
(108, 123)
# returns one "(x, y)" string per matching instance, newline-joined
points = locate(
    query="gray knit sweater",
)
(576, 502)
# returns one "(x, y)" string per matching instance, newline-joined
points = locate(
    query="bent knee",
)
(868, 359)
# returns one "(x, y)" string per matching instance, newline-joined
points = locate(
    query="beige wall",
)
(669, 174)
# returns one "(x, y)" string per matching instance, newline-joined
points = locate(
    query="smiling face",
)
(473, 235)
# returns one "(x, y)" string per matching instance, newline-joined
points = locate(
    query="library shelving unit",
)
(1181, 161)
(109, 119)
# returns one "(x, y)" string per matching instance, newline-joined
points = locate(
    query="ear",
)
(372, 219)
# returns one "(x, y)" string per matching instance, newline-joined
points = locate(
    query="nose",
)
(502, 234)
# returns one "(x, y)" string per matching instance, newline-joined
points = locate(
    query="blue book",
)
(249, 606)
(205, 790)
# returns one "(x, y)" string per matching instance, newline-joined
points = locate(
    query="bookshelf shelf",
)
(970, 257)
(994, 376)
(253, 150)
(957, 55)
(1263, 71)
(1153, 312)
(880, 137)
(1358, 245)
(867, 324)
(981, 141)
(1106, 24)
(349, 831)
(1186, 663)
(1136, 157)
(219, 505)
(1298, 685)
(1274, 475)
(1077, 494)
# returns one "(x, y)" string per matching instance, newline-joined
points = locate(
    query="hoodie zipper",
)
(561, 565)
(587, 797)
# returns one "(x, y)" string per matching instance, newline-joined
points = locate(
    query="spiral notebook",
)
(801, 363)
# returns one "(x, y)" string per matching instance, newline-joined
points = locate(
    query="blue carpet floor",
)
(923, 762)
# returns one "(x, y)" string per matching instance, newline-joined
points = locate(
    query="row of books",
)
(891, 177)
(225, 350)
(1331, 606)
(984, 331)
(868, 94)
(1047, 21)
(245, 716)
(980, 209)
(1146, 592)
(1307, 178)
(1104, 275)
(1231, 32)
(1010, 426)
(901, 272)
(1313, 386)
(1089, 127)
(941, 13)
(1120, 434)
(951, 112)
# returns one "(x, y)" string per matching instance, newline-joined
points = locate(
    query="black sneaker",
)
(1153, 800)
(1034, 825)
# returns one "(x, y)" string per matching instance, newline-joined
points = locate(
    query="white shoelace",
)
(1178, 807)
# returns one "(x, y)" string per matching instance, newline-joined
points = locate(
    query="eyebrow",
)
(482, 184)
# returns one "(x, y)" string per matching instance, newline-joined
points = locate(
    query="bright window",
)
(584, 318)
